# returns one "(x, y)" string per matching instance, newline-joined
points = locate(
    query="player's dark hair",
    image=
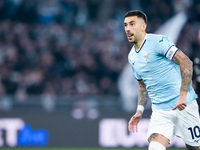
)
(137, 13)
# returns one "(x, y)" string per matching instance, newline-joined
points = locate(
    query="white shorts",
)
(184, 124)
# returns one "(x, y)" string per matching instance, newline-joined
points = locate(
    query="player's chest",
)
(144, 61)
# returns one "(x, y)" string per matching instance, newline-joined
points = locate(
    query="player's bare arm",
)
(142, 100)
(186, 68)
(142, 93)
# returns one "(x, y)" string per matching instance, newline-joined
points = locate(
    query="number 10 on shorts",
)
(195, 132)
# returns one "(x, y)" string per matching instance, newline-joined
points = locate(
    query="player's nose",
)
(127, 28)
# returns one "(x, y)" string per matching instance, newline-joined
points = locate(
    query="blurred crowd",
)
(78, 47)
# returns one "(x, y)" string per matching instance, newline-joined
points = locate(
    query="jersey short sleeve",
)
(136, 75)
(166, 47)
(134, 72)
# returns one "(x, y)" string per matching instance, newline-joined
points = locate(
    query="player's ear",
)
(144, 25)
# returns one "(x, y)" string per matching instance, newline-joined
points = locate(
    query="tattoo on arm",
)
(186, 67)
(142, 94)
(186, 74)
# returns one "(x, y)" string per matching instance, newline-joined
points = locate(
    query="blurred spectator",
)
(196, 61)
(48, 11)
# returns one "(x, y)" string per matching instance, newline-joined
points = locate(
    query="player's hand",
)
(181, 103)
(132, 125)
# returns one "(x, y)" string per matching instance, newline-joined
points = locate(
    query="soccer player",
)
(164, 73)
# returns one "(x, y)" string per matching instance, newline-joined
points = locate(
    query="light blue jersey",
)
(153, 64)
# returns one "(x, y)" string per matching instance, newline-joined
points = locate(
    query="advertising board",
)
(61, 129)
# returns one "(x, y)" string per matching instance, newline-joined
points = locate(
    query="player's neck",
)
(140, 42)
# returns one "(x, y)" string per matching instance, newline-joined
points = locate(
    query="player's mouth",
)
(130, 35)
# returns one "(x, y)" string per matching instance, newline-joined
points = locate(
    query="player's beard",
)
(134, 41)
(132, 38)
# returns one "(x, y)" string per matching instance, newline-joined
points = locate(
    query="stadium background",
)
(63, 70)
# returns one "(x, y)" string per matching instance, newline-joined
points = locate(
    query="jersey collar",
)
(137, 51)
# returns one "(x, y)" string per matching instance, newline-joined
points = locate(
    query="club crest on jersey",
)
(147, 57)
